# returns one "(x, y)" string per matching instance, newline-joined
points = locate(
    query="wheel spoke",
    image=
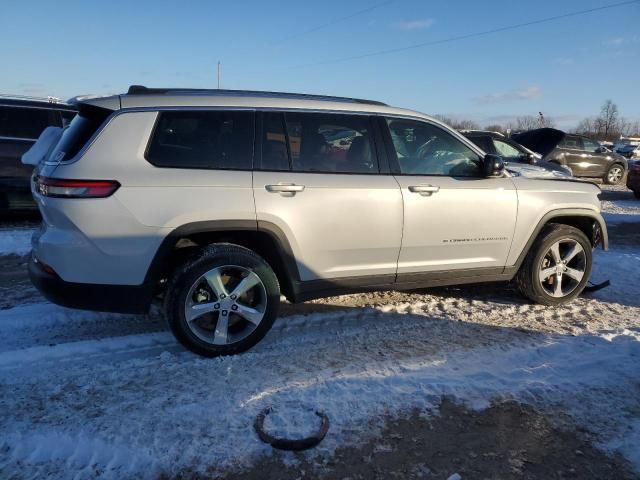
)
(251, 314)
(222, 329)
(546, 273)
(575, 274)
(557, 290)
(199, 309)
(214, 280)
(246, 284)
(577, 248)
(555, 252)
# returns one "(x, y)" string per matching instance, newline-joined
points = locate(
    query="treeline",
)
(608, 125)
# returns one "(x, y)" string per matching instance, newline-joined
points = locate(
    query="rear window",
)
(25, 122)
(202, 139)
(77, 134)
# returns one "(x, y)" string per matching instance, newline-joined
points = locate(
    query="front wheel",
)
(614, 174)
(223, 301)
(557, 267)
(636, 193)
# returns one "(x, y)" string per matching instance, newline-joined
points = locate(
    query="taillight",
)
(57, 187)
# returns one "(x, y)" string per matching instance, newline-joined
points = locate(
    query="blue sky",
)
(565, 68)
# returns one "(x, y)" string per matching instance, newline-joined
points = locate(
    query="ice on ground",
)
(16, 241)
(621, 208)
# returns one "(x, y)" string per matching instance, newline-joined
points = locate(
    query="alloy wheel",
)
(225, 305)
(615, 175)
(562, 268)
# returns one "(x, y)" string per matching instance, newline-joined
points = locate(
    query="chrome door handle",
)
(285, 189)
(424, 190)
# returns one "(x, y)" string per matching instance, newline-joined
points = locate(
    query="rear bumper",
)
(86, 296)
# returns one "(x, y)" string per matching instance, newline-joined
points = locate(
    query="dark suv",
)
(587, 158)
(22, 119)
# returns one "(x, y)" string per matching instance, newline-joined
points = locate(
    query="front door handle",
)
(424, 190)
(285, 189)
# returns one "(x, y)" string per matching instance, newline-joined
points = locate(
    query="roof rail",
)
(142, 90)
(48, 99)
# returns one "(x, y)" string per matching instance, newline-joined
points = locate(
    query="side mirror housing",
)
(492, 165)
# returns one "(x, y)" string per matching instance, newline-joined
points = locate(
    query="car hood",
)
(534, 171)
(540, 140)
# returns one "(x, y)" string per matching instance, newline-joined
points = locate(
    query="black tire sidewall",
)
(542, 247)
(210, 258)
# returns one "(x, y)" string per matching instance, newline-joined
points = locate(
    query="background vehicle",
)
(629, 150)
(633, 177)
(22, 119)
(587, 158)
(515, 154)
(221, 200)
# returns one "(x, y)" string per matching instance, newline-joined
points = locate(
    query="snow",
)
(109, 396)
(15, 241)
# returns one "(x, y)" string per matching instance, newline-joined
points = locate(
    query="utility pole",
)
(219, 74)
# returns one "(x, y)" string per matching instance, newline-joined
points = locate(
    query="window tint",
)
(22, 122)
(506, 151)
(77, 134)
(424, 149)
(274, 143)
(590, 145)
(202, 139)
(571, 142)
(484, 142)
(320, 142)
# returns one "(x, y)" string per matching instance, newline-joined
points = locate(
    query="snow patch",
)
(16, 242)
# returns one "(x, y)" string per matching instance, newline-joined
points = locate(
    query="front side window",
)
(506, 151)
(330, 143)
(590, 145)
(202, 139)
(425, 149)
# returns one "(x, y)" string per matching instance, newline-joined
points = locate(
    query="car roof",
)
(39, 102)
(143, 97)
(479, 133)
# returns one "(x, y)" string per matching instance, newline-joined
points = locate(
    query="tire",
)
(541, 260)
(614, 175)
(636, 193)
(236, 315)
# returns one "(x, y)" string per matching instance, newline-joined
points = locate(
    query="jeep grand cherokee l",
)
(220, 201)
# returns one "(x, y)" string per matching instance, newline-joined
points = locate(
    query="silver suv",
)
(221, 201)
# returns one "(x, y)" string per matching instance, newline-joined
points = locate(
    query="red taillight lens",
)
(57, 187)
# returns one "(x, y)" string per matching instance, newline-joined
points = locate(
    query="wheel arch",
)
(587, 221)
(264, 238)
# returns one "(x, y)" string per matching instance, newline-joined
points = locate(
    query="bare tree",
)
(608, 118)
(460, 124)
(529, 122)
(495, 128)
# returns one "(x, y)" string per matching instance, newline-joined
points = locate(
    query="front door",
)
(454, 218)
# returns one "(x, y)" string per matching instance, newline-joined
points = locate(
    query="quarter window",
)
(424, 149)
(202, 139)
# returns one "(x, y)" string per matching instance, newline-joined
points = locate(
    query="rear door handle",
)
(285, 189)
(424, 190)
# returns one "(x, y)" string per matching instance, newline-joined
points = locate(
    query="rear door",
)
(454, 218)
(318, 179)
(598, 163)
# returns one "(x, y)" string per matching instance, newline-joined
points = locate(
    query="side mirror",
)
(492, 165)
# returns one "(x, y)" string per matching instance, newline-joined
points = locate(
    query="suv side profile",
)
(220, 201)
(22, 119)
(587, 158)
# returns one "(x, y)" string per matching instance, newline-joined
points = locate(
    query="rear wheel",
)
(636, 193)
(557, 267)
(222, 302)
(614, 174)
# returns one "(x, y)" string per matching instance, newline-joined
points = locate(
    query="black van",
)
(22, 120)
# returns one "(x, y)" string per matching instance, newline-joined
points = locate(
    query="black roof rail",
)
(142, 90)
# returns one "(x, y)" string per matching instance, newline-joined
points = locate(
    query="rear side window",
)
(202, 139)
(571, 142)
(25, 123)
(76, 135)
